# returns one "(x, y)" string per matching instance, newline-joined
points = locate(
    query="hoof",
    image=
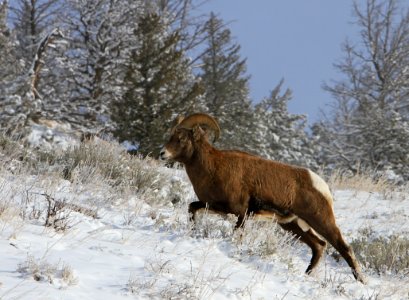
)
(359, 277)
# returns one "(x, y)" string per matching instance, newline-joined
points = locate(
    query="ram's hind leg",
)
(333, 235)
(193, 208)
(316, 244)
(322, 221)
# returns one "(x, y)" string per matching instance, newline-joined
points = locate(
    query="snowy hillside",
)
(90, 236)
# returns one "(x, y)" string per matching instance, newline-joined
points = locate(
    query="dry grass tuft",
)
(361, 181)
(41, 270)
(366, 182)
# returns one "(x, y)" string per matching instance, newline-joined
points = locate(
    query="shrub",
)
(111, 162)
(265, 239)
(106, 159)
(57, 214)
(383, 254)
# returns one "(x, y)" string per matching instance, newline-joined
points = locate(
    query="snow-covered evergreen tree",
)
(159, 86)
(223, 74)
(8, 68)
(281, 135)
(182, 17)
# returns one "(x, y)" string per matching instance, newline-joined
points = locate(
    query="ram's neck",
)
(202, 161)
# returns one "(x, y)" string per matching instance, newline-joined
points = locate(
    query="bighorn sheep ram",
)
(235, 182)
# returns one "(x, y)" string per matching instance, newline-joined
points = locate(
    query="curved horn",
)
(201, 119)
(176, 123)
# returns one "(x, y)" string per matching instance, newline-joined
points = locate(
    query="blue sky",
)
(297, 40)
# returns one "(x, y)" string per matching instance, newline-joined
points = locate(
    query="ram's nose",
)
(163, 154)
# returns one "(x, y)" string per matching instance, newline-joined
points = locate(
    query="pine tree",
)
(281, 135)
(159, 86)
(7, 57)
(8, 69)
(226, 86)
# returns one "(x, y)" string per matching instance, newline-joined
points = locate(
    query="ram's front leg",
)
(242, 210)
(240, 221)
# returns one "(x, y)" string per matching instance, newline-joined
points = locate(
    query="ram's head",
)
(186, 135)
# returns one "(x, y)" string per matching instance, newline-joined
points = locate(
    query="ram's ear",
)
(183, 134)
(208, 134)
(198, 132)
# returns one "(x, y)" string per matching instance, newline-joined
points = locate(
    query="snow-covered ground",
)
(135, 250)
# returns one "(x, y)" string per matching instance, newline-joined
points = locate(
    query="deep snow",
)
(142, 251)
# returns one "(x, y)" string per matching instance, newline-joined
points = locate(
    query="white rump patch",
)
(320, 185)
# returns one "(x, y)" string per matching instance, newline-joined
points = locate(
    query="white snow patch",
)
(147, 259)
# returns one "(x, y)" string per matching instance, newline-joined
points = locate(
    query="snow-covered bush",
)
(382, 254)
(265, 240)
(109, 161)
